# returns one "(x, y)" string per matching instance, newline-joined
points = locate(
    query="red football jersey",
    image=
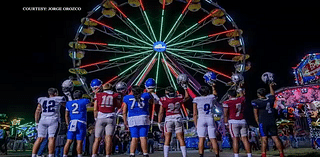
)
(236, 107)
(172, 105)
(106, 101)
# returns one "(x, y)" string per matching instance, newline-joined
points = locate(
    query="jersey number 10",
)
(107, 101)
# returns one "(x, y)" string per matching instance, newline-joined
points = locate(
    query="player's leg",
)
(98, 134)
(42, 133)
(244, 139)
(109, 130)
(180, 137)
(36, 145)
(67, 147)
(264, 139)
(80, 135)
(53, 129)
(134, 132)
(212, 136)
(235, 134)
(143, 134)
(202, 130)
(273, 131)
(168, 128)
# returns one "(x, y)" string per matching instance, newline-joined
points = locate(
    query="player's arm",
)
(256, 115)
(225, 114)
(186, 95)
(271, 88)
(214, 92)
(160, 114)
(195, 114)
(37, 114)
(67, 116)
(124, 113)
(95, 109)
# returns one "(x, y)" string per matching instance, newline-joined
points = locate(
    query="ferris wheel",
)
(128, 40)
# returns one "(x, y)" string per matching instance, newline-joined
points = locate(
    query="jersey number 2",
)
(76, 107)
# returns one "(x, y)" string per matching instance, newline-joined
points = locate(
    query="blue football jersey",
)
(78, 109)
(136, 108)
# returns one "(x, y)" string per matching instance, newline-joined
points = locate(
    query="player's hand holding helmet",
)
(96, 85)
(268, 78)
(121, 87)
(209, 78)
(67, 88)
(182, 80)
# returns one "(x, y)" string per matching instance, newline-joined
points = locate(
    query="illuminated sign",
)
(159, 46)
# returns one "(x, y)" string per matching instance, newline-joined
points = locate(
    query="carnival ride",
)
(130, 39)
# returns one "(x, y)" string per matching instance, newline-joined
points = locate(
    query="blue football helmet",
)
(150, 83)
(95, 83)
(210, 77)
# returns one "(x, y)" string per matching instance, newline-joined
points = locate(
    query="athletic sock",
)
(281, 154)
(34, 155)
(236, 155)
(79, 155)
(94, 155)
(249, 155)
(50, 155)
(183, 151)
(263, 155)
(107, 155)
(165, 151)
(65, 155)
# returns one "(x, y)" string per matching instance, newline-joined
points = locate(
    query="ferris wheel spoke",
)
(203, 51)
(146, 19)
(193, 26)
(128, 19)
(203, 42)
(167, 71)
(220, 73)
(201, 38)
(206, 57)
(178, 21)
(118, 36)
(157, 72)
(118, 31)
(116, 59)
(146, 70)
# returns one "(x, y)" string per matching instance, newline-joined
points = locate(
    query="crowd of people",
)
(134, 106)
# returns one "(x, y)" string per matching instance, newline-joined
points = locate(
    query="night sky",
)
(277, 35)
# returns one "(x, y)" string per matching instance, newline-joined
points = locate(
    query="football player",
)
(203, 118)
(49, 110)
(171, 103)
(76, 119)
(136, 117)
(233, 109)
(264, 114)
(104, 113)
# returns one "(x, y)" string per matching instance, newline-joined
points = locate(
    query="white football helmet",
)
(121, 87)
(182, 79)
(267, 77)
(67, 86)
(236, 78)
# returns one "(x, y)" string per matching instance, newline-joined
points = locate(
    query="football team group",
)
(135, 112)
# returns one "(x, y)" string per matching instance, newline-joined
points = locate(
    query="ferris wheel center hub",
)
(159, 46)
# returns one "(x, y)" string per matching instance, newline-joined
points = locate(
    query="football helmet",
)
(150, 83)
(121, 86)
(95, 84)
(67, 86)
(210, 77)
(267, 77)
(182, 79)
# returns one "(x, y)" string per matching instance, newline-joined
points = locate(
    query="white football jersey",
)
(51, 106)
(205, 105)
